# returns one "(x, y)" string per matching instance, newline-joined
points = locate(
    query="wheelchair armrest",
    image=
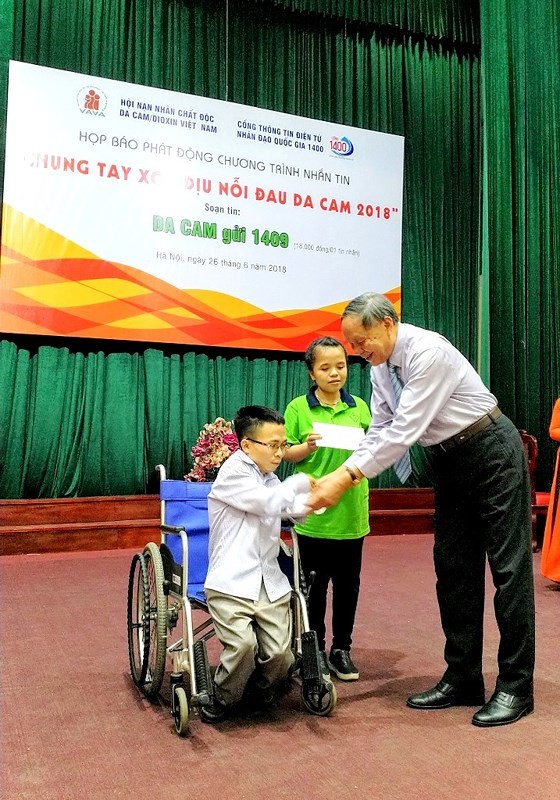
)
(172, 528)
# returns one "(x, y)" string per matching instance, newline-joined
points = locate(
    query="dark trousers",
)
(482, 510)
(339, 561)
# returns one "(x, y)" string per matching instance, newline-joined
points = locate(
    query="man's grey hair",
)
(370, 308)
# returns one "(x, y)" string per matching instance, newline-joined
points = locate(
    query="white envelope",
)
(343, 437)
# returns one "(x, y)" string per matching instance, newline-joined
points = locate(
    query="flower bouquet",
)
(216, 442)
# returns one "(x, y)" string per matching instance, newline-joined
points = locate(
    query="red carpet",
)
(73, 726)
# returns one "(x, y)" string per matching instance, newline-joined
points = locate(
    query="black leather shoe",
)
(444, 695)
(503, 708)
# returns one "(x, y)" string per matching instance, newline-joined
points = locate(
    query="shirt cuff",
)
(367, 466)
(294, 485)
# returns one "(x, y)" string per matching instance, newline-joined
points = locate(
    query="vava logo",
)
(341, 147)
(92, 100)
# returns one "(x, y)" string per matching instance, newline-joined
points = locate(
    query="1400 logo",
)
(341, 147)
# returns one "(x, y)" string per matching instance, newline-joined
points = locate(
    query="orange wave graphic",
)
(50, 285)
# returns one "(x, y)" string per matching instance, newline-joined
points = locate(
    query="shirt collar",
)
(396, 357)
(248, 460)
(313, 402)
(244, 457)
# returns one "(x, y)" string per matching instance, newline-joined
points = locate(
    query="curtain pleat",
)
(14, 378)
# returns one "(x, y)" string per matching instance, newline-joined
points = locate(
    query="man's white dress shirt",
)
(442, 394)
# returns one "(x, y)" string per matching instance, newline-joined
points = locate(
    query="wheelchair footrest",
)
(310, 664)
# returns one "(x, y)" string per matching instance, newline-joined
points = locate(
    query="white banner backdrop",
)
(148, 214)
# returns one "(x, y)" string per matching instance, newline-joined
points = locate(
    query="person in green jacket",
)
(330, 542)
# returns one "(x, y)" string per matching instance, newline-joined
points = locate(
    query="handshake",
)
(324, 492)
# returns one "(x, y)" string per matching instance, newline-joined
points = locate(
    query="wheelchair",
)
(165, 587)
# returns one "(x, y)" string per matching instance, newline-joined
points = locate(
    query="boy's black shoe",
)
(259, 699)
(284, 687)
(214, 711)
(342, 665)
(266, 697)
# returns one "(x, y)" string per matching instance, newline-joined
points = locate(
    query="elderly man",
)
(425, 391)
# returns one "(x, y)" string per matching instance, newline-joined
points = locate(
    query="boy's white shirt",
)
(245, 508)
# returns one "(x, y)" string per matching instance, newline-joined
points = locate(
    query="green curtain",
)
(74, 424)
(521, 237)
(410, 69)
(456, 20)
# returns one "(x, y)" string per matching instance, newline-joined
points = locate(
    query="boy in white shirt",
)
(248, 595)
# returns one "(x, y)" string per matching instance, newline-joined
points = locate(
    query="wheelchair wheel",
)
(157, 620)
(319, 698)
(180, 711)
(138, 619)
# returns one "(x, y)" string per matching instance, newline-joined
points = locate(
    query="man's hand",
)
(329, 489)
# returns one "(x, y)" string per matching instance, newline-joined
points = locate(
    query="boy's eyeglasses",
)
(283, 446)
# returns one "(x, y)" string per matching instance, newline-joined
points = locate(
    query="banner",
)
(139, 213)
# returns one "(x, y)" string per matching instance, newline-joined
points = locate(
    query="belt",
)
(467, 433)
